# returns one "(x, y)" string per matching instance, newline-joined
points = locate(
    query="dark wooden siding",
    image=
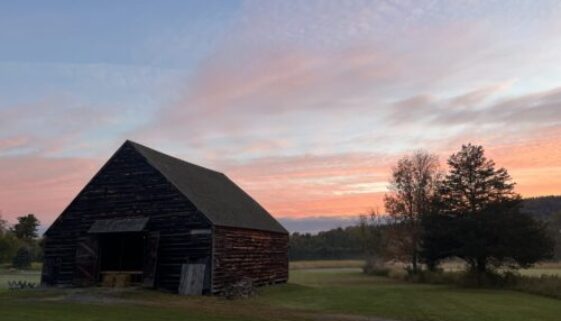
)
(127, 186)
(259, 255)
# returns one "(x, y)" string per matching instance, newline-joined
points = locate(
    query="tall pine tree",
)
(478, 218)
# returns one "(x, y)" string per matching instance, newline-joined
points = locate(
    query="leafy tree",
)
(480, 220)
(26, 227)
(413, 184)
(9, 244)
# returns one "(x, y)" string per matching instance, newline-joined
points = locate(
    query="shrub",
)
(380, 271)
(375, 267)
(488, 279)
(241, 289)
(398, 274)
(436, 277)
(20, 285)
(23, 258)
(546, 285)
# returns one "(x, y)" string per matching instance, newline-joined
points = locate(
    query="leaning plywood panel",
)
(192, 279)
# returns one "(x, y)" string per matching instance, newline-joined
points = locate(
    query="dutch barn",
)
(161, 222)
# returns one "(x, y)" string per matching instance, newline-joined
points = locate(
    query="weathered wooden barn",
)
(162, 221)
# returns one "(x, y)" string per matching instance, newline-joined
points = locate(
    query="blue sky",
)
(305, 104)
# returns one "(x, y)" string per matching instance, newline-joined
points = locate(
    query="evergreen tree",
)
(479, 218)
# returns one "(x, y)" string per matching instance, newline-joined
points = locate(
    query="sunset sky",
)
(306, 105)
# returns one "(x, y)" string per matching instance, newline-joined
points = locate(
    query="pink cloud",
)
(349, 184)
(340, 184)
(299, 186)
(40, 185)
(13, 142)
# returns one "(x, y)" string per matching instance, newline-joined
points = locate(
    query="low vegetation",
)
(543, 279)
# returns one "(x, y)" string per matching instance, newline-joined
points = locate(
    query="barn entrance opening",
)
(121, 258)
(118, 253)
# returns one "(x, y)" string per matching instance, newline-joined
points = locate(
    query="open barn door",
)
(86, 261)
(151, 259)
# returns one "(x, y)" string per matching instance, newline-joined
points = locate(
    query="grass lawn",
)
(20, 311)
(349, 292)
(325, 293)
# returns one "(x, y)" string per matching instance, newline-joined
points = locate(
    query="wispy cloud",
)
(315, 185)
(11, 143)
(516, 116)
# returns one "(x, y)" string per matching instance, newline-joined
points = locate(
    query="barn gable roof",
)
(213, 193)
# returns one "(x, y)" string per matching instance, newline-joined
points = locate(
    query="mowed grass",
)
(329, 291)
(349, 292)
(21, 311)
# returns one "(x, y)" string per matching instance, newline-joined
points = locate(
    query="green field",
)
(318, 293)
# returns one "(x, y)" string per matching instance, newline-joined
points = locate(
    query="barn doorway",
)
(121, 251)
(121, 258)
(117, 252)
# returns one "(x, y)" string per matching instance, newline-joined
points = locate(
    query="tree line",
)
(20, 243)
(470, 212)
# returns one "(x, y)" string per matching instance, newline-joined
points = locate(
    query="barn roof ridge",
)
(137, 144)
(213, 193)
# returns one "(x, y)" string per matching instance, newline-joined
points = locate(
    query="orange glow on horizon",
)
(338, 185)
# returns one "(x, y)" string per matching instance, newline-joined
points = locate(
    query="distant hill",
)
(317, 224)
(542, 207)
